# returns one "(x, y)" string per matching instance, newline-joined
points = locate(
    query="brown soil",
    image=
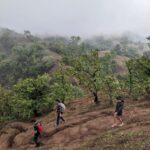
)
(84, 121)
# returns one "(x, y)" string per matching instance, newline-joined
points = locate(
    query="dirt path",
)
(82, 124)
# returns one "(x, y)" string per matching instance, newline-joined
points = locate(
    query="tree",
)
(32, 94)
(5, 103)
(144, 72)
(25, 62)
(87, 69)
(110, 83)
(29, 36)
(75, 47)
(129, 65)
(61, 86)
(118, 49)
(139, 73)
(7, 40)
(111, 87)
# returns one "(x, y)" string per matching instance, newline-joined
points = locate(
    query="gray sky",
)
(76, 17)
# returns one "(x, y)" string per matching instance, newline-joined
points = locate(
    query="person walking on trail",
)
(37, 133)
(60, 110)
(118, 112)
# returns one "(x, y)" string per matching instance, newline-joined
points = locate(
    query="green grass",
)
(120, 140)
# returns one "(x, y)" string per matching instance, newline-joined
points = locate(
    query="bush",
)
(5, 104)
(32, 94)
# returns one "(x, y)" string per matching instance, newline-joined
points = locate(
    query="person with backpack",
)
(37, 133)
(118, 112)
(60, 108)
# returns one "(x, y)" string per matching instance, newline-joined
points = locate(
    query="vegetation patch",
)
(118, 139)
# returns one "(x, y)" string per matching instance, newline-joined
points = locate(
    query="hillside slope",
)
(87, 127)
(120, 61)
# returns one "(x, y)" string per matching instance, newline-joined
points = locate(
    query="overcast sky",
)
(76, 17)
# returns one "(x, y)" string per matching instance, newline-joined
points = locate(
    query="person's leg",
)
(36, 140)
(119, 118)
(115, 115)
(58, 118)
(61, 117)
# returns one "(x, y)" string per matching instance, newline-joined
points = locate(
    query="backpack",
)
(40, 128)
(63, 107)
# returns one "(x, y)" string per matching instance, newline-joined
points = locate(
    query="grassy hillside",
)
(87, 127)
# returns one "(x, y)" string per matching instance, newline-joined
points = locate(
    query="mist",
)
(76, 17)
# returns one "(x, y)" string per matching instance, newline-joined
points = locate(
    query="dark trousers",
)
(59, 118)
(37, 137)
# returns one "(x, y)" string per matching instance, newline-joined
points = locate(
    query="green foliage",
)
(87, 69)
(5, 104)
(7, 40)
(99, 42)
(97, 74)
(139, 75)
(31, 61)
(108, 64)
(111, 87)
(147, 86)
(61, 85)
(127, 50)
(25, 58)
(110, 84)
(65, 92)
(25, 62)
(32, 94)
(146, 54)
(74, 48)
(119, 139)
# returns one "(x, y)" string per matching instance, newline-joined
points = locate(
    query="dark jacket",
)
(119, 107)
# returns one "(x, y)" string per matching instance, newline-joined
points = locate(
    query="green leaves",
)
(25, 62)
(96, 73)
(5, 103)
(139, 73)
(87, 69)
(61, 84)
(32, 94)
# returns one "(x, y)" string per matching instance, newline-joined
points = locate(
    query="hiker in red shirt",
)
(38, 129)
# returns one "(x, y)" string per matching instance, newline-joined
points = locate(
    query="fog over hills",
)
(76, 17)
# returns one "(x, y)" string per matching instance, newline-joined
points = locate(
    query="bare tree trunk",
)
(130, 77)
(96, 100)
